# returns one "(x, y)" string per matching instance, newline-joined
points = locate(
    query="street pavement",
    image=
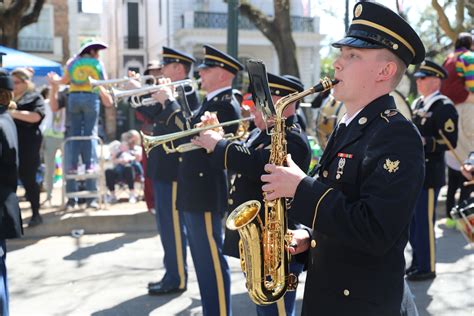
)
(106, 274)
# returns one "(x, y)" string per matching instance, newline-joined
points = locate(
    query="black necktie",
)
(340, 131)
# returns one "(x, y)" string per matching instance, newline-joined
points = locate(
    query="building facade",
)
(137, 29)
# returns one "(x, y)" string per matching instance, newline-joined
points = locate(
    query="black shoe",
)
(160, 289)
(153, 284)
(35, 220)
(410, 270)
(420, 276)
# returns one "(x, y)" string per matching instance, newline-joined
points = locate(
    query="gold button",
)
(362, 120)
(201, 174)
(230, 201)
(313, 243)
(239, 175)
(338, 176)
(233, 188)
(180, 159)
(325, 173)
(346, 292)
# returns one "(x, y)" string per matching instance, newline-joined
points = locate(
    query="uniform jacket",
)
(10, 215)
(202, 185)
(248, 159)
(163, 166)
(430, 119)
(360, 208)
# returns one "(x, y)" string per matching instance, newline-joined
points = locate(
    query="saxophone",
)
(264, 257)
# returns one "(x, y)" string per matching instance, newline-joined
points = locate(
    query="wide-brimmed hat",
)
(91, 45)
(152, 65)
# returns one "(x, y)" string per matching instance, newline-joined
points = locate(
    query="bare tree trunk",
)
(443, 21)
(278, 31)
(14, 18)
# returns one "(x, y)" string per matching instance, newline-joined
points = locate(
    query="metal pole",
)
(233, 28)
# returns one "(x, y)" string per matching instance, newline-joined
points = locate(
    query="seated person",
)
(124, 158)
(133, 140)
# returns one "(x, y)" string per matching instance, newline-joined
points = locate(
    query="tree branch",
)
(261, 21)
(33, 16)
(443, 20)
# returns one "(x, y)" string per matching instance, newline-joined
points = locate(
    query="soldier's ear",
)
(387, 72)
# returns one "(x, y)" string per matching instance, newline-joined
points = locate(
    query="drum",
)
(330, 112)
(402, 105)
(463, 214)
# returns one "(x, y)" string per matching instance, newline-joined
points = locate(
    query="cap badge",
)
(362, 120)
(391, 166)
(358, 11)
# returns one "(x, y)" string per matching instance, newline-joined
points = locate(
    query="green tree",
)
(15, 15)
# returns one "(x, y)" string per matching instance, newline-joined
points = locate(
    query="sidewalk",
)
(106, 274)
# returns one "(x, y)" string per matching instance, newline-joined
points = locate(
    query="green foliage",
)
(327, 68)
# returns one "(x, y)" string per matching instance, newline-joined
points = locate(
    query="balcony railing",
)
(217, 20)
(35, 44)
(133, 42)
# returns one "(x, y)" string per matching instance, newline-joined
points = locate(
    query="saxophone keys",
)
(292, 282)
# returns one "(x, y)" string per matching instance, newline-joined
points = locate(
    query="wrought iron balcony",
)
(133, 42)
(217, 20)
(35, 44)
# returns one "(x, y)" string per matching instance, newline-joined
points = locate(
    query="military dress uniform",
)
(248, 160)
(362, 201)
(163, 170)
(432, 114)
(202, 192)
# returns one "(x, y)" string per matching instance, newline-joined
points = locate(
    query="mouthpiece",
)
(325, 84)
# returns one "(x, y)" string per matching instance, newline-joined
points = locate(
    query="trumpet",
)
(150, 142)
(112, 82)
(135, 94)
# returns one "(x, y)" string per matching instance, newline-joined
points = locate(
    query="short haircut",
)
(401, 67)
(464, 40)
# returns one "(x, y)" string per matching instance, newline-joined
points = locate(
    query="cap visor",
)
(202, 66)
(355, 42)
(419, 74)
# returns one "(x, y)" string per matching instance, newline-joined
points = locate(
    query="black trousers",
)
(455, 182)
(29, 158)
(118, 174)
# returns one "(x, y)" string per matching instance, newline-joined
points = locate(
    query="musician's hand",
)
(53, 78)
(282, 181)
(300, 241)
(209, 118)
(467, 171)
(207, 139)
(162, 95)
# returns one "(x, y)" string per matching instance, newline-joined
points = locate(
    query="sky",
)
(331, 13)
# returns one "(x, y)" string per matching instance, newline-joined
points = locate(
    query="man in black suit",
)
(433, 114)
(368, 179)
(162, 168)
(202, 189)
(248, 159)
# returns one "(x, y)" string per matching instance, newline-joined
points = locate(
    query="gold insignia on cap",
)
(277, 92)
(358, 11)
(391, 166)
(362, 120)
(449, 126)
(395, 46)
